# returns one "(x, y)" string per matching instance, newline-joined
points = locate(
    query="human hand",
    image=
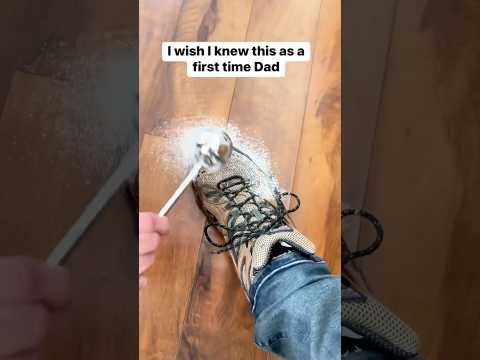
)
(151, 229)
(30, 293)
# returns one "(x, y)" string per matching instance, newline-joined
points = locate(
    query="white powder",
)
(177, 154)
(94, 109)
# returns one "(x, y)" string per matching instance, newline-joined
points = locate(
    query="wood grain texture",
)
(165, 90)
(425, 169)
(365, 45)
(458, 79)
(194, 307)
(157, 22)
(73, 18)
(101, 323)
(397, 164)
(317, 175)
(65, 179)
(29, 96)
(218, 324)
(56, 159)
(162, 303)
(179, 99)
(366, 41)
(24, 26)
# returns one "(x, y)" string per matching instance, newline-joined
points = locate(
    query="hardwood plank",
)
(56, 160)
(162, 302)
(427, 146)
(42, 148)
(317, 176)
(22, 141)
(101, 322)
(365, 44)
(396, 164)
(458, 57)
(73, 18)
(157, 23)
(179, 99)
(218, 323)
(24, 26)
(35, 150)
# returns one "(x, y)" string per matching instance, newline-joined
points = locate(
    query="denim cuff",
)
(272, 282)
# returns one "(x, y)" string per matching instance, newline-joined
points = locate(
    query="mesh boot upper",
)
(243, 202)
(371, 319)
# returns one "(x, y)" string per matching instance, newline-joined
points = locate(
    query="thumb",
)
(30, 281)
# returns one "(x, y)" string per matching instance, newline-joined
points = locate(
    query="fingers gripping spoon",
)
(213, 150)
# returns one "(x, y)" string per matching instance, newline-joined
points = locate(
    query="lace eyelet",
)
(256, 223)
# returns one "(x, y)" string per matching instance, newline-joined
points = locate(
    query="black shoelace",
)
(347, 254)
(259, 215)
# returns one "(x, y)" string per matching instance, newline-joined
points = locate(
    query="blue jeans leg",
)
(296, 304)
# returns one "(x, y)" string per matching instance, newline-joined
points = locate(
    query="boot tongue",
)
(263, 245)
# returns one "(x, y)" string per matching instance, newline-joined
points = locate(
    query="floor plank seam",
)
(188, 304)
(360, 272)
(198, 257)
(300, 128)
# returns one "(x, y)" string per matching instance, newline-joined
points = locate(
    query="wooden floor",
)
(412, 157)
(194, 307)
(54, 164)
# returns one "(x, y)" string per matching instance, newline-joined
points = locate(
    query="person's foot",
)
(367, 324)
(245, 205)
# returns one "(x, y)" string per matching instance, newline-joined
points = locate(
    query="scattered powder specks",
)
(177, 153)
(93, 99)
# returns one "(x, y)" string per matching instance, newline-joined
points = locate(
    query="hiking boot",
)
(245, 205)
(367, 324)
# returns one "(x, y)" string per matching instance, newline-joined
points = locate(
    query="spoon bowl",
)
(214, 148)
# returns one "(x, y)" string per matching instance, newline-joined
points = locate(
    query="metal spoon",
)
(214, 148)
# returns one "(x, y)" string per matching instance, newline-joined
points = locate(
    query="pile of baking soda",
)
(177, 155)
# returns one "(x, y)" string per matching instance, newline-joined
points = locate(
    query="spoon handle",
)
(128, 166)
(181, 188)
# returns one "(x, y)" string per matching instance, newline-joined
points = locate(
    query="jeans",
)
(296, 304)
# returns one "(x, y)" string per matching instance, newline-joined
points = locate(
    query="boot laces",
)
(251, 216)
